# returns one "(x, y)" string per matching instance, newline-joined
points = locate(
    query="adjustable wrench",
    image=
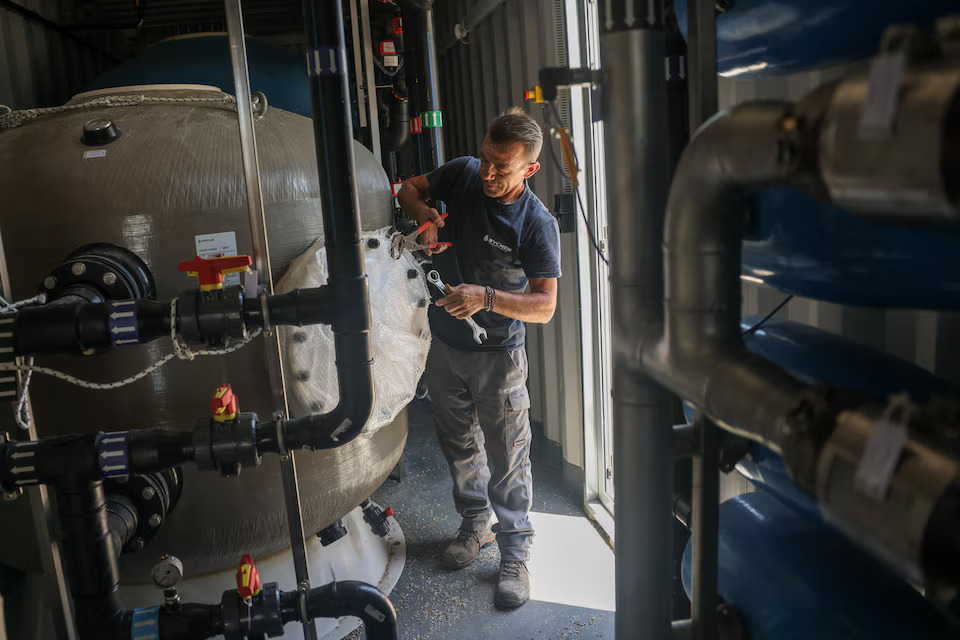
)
(479, 333)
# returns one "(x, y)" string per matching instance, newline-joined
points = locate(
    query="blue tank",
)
(205, 59)
(800, 245)
(795, 578)
(765, 37)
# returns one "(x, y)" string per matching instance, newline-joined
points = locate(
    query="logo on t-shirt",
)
(497, 244)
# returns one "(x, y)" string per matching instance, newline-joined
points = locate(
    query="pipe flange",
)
(100, 272)
(153, 495)
(270, 618)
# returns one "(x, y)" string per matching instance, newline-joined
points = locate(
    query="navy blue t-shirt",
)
(497, 245)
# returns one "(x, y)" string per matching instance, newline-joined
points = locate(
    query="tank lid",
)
(99, 131)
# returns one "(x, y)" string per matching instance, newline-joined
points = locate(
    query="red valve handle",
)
(209, 271)
(248, 579)
(224, 404)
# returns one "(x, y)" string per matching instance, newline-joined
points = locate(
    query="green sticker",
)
(432, 119)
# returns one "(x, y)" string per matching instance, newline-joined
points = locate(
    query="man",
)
(504, 239)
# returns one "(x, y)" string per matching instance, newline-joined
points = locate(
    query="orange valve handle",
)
(248, 579)
(209, 272)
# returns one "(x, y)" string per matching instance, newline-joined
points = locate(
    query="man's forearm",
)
(535, 307)
(413, 203)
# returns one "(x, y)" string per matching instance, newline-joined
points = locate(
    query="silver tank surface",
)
(176, 173)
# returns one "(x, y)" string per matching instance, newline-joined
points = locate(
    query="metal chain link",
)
(14, 119)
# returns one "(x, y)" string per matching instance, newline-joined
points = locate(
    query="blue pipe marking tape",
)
(123, 322)
(145, 624)
(113, 454)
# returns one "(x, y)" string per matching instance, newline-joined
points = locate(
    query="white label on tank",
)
(97, 153)
(216, 245)
(391, 61)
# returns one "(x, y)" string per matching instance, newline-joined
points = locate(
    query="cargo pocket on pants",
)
(518, 400)
(515, 420)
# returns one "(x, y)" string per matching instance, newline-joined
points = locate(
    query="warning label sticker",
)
(217, 245)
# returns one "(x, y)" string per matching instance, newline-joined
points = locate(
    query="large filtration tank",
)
(174, 174)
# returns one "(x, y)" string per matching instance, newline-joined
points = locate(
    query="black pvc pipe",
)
(359, 599)
(89, 560)
(121, 521)
(429, 89)
(397, 133)
(333, 132)
(637, 181)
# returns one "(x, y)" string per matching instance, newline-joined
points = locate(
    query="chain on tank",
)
(14, 119)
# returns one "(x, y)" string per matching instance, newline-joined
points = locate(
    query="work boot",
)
(513, 588)
(464, 550)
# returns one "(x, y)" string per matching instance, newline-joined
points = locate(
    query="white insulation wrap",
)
(400, 334)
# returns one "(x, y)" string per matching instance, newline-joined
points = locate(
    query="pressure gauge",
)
(167, 573)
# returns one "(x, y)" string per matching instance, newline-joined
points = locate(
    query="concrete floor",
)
(572, 567)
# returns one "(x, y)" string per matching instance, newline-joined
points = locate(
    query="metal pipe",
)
(702, 61)
(637, 181)
(371, 79)
(362, 106)
(705, 529)
(248, 142)
(701, 355)
(431, 91)
(261, 254)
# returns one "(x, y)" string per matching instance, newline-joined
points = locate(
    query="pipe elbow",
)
(357, 599)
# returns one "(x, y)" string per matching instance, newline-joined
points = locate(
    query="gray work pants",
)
(481, 412)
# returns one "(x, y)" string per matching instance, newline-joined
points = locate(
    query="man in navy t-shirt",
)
(501, 271)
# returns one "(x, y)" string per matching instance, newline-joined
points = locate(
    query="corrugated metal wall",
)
(42, 67)
(490, 73)
(478, 80)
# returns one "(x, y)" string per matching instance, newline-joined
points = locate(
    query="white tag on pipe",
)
(879, 462)
(882, 102)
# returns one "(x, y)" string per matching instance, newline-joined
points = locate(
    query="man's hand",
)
(432, 234)
(463, 300)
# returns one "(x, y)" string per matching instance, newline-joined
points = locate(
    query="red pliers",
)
(410, 242)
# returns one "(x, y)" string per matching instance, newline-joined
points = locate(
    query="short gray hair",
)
(517, 126)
